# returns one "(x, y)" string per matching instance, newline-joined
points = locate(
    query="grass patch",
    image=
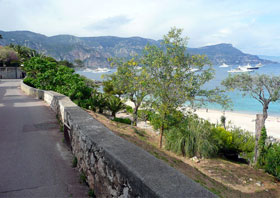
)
(83, 178)
(91, 193)
(123, 120)
(74, 162)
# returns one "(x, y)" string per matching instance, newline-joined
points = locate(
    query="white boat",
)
(250, 67)
(240, 69)
(223, 65)
(98, 70)
(259, 65)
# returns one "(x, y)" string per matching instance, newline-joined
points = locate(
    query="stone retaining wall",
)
(114, 167)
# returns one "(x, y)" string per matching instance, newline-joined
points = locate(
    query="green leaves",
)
(48, 75)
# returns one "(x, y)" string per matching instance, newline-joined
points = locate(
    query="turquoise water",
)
(240, 104)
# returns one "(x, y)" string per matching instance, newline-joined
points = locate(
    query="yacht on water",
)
(248, 66)
(240, 69)
(98, 70)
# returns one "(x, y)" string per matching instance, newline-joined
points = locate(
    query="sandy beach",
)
(242, 120)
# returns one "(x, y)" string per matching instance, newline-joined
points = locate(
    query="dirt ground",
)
(222, 177)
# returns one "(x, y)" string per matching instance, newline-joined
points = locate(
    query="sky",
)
(252, 26)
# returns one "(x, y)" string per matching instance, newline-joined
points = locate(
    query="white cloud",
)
(249, 25)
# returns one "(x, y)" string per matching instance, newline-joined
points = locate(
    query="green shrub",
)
(114, 104)
(272, 162)
(48, 75)
(192, 137)
(262, 148)
(234, 143)
(98, 101)
(146, 114)
(128, 109)
(223, 121)
(91, 193)
(74, 162)
(28, 81)
(173, 119)
(122, 120)
(223, 139)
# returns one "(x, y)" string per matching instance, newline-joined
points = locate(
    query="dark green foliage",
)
(223, 121)
(123, 120)
(74, 162)
(146, 115)
(243, 142)
(28, 81)
(109, 86)
(91, 193)
(191, 138)
(171, 120)
(46, 74)
(66, 63)
(114, 104)
(25, 53)
(129, 109)
(83, 178)
(98, 101)
(272, 162)
(234, 142)
(262, 148)
(78, 63)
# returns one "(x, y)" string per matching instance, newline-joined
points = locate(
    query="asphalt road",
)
(33, 160)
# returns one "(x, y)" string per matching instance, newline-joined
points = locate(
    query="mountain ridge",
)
(94, 51)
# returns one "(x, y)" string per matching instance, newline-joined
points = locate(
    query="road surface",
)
(34, 162)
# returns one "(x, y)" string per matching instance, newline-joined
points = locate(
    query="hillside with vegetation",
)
(94, 51)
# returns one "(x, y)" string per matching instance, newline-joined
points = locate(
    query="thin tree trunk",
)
(114, 114)
(258, 128)
(135, 115)
(161, 135)
(265, 115)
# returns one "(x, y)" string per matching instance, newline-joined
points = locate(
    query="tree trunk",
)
(258, 127)
(114, 114)
(135, 115)
(265, 108)
(161, 135)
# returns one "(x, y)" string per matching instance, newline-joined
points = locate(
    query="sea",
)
(241, 104)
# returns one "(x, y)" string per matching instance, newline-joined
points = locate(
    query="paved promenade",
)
(33, 160)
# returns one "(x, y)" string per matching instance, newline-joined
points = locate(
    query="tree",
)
(1, 37)
(114, 104)
(131, 81)
(176, 77)
(263, 88)
(48, 75)
(78, 63)
(66, 63)
(8, 57)
(25, 53)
